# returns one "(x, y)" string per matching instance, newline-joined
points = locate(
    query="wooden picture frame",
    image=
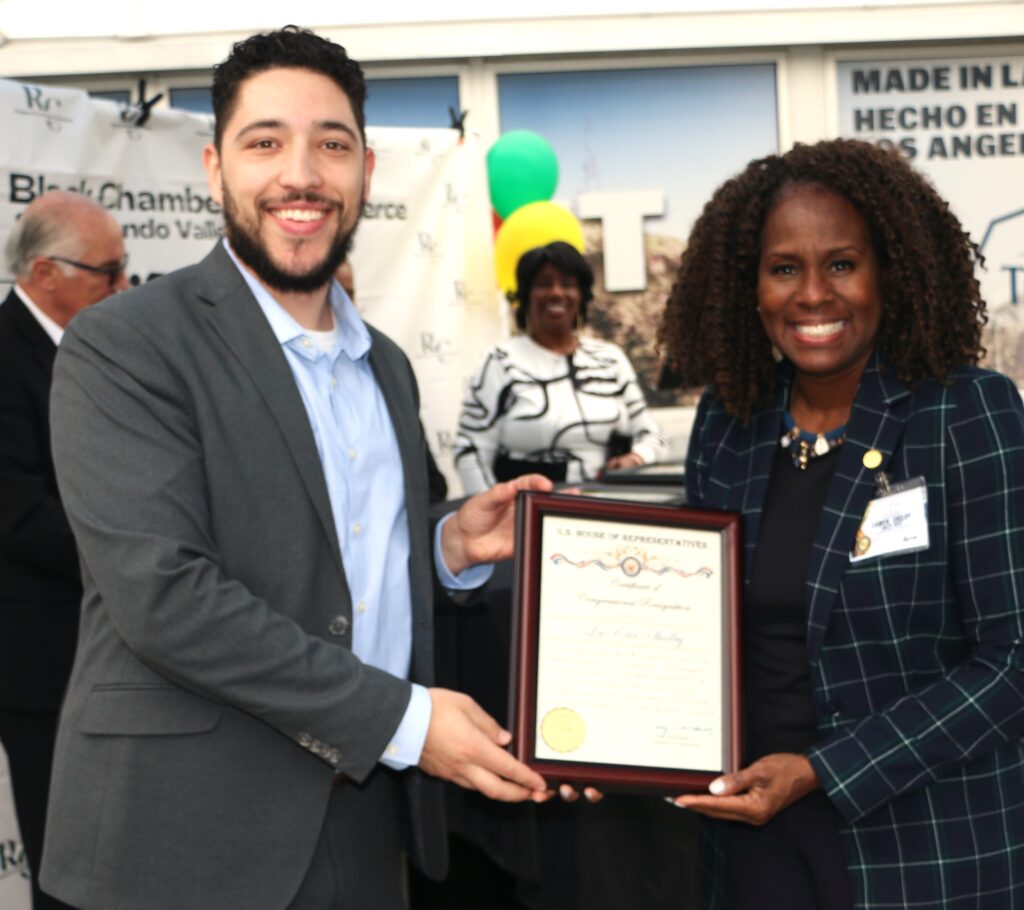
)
(626, 643)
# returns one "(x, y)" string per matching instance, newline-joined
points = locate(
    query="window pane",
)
(682, 130)
(121, 97)
(197, 100)
(412, 102)
(662, 140)
(390, 102)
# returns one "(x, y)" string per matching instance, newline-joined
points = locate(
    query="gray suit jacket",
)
(214, 693)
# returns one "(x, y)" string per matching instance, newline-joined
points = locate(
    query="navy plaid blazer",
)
(916, 660)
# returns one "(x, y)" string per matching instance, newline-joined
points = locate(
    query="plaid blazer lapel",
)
(877, 421)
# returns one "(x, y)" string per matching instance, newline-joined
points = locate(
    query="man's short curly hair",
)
(294, 48)
(932, 310)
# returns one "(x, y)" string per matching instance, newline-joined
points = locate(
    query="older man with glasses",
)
(65, 253)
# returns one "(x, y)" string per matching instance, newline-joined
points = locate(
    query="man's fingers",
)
(533, 482)
(464, 745)
(484, 722)
(511, 769)
(495, 787)
(496, 774)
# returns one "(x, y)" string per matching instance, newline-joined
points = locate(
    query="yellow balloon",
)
(532, 225)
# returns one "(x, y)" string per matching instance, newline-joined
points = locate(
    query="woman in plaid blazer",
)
(827, 298)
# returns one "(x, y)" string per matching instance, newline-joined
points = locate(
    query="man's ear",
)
(211, 162)
(44, 273)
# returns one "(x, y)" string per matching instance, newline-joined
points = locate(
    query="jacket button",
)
(339, 625)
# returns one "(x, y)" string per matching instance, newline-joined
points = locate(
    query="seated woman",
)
(549, 401)
(827, 298)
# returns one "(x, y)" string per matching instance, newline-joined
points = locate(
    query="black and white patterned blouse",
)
(531, 403)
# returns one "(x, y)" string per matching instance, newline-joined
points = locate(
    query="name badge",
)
(895, 521)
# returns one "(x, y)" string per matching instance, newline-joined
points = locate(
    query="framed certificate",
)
(626, 645)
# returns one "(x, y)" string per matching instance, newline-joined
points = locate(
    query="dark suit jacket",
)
(215, 693)
(917, 660)
(39, 582)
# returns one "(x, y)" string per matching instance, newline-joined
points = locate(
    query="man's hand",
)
(756, 794)
(465, 745)
(482, 530)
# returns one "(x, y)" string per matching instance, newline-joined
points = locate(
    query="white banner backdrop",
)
(961, 121)
(422, 261)
(424, 268)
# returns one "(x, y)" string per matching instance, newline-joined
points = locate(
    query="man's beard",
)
(250, 249)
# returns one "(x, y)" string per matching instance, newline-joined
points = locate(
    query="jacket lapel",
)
(237, 318)
(877, 422)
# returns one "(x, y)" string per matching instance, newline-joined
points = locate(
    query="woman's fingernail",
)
(717, 787)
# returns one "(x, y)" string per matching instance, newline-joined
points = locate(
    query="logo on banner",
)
(428, 244)
(39, 103)
(434, 348)
(451, 198)
(13, 860)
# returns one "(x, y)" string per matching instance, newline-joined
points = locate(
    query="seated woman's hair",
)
(932, 310)
(564, 257)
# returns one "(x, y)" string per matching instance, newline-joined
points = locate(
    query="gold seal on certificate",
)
(563, 730)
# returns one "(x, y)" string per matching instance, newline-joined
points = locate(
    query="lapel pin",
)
(872, 459)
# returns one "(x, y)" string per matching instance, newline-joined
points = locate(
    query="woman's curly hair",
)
(932, 310)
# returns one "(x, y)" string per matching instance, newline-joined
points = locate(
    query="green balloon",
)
(521, 168)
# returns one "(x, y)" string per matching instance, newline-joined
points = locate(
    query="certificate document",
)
(628, 629)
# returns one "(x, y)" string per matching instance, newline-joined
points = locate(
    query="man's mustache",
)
(313, 198)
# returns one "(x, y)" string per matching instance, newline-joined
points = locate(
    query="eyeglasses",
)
(113, 270)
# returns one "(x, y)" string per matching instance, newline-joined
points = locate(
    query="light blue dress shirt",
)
(362, 467)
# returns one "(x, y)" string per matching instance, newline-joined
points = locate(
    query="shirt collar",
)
(51, 328)
(353, 336)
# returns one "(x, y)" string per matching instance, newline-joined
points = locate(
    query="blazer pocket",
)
(147, 711)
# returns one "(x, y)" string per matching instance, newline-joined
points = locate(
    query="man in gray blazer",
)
(245, 475)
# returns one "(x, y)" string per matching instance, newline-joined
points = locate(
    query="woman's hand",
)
(756, 794)
(629, 460)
